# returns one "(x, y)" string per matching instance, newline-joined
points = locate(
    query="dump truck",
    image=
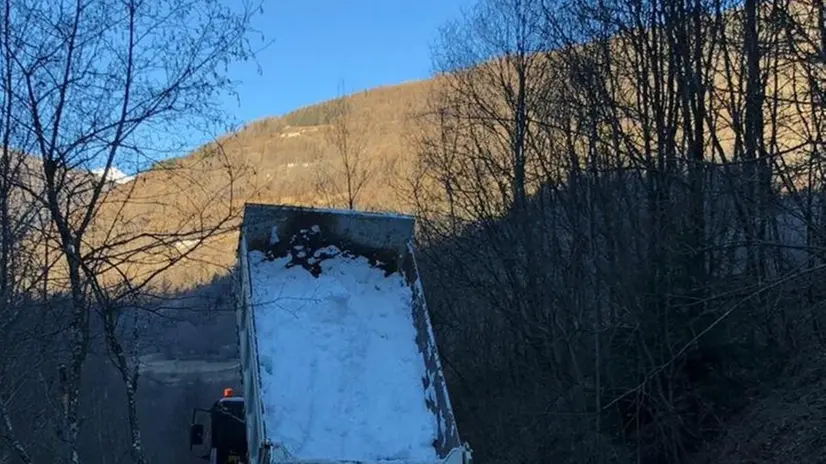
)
(339, 363)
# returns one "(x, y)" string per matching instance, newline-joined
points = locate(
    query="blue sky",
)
(320, 43)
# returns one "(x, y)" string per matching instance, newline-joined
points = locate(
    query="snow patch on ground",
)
(340, 370)
(185, 245)
(115, 175)
(274, 235)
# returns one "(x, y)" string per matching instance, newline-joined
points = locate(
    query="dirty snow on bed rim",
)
(341, 374)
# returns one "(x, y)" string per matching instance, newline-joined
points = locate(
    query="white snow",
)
(274, 235)
(184, 245)
(341, 375)
(115, 175)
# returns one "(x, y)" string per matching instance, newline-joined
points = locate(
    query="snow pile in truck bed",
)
(340, 370)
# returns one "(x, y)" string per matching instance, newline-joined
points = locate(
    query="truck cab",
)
(227, 431)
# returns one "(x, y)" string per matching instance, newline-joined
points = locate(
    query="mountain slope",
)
(274, 160)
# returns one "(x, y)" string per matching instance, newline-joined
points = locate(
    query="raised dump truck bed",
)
(338, 356)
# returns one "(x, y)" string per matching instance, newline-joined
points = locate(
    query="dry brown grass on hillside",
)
(270, 161)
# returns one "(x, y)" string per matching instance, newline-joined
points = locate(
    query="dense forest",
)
(622, 215)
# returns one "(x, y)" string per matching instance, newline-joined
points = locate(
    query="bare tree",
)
(27, 322)
(347, 137)
(654, 243)
(95, 83)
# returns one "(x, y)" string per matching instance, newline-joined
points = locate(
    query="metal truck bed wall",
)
(385, 236)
